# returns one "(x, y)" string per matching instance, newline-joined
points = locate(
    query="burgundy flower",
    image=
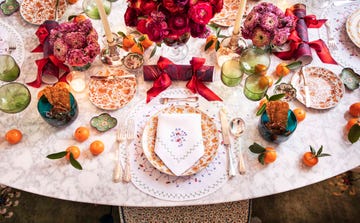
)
(201, 13)
(130, 17)
(175, 6)
(75, 40)
(147, 7)
(60, 50)
(217, 5)
(77, 57)
(198, 30)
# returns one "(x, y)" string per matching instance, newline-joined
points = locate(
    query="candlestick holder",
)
(110, 55)
(231, 48)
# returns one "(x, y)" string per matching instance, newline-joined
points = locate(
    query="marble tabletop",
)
(24, 166)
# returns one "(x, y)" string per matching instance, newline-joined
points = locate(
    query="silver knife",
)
(226, 138)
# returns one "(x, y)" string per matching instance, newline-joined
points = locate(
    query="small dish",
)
(133, 61)
(14, 97)
(60, 119)
(270, 136)
(103, 122)
(287, 89)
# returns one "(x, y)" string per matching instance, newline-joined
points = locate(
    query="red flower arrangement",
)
(172, 20)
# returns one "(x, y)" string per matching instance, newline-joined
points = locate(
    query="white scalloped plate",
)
(353, 27)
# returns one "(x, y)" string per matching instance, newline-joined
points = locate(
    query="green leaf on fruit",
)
(57, 155)
(354, 133)
(261, 158)
(256, 148)
(74, 162)
(276, 97)
(209, 44)
(294, 65)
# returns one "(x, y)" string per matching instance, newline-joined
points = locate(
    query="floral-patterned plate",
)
(209, 133)
(38, 11)
(111, 93)
(353, 27)
(326, 88)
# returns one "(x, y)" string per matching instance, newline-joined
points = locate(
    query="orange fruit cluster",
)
(354, 111)
(136, 45)
(282, 70)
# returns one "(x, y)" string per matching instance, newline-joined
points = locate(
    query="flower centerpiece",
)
(266, 25)
(75, 43)
(171, 21)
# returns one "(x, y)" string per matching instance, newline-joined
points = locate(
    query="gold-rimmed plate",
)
(209, 133)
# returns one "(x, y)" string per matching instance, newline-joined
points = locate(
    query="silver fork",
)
(118, 171)
(331, 40)
(130, 135)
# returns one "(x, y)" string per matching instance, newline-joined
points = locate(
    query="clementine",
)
(97, 147)
(13, 136)
(145, 41)
(128, 41)
(81, 134)
(260, 69)
(137, 48)
(352, 122)
(312, 158)
(282, 69)
(269, 155)
(74, 150)
(210, 42)
(300, 114)
(354, 109)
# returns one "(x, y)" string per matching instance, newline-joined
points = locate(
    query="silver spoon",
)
(237, 127)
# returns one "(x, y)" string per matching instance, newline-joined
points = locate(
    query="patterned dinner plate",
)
(38, 11)
(326, 88)
(353, 27)
(209, 133)
(112, 93)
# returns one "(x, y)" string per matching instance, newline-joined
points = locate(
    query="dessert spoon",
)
(237, 127)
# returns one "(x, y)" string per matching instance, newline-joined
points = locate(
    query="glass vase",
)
(175, 49)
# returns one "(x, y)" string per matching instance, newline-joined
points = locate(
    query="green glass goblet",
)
(253, 56)
(91, 10)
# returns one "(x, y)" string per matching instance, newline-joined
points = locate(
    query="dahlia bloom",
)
(267, 25)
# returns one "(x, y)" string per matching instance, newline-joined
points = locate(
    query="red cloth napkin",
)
(299, 39)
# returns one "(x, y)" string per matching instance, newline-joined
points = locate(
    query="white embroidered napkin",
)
(179, 142)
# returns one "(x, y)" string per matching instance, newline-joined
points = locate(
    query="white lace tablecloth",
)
(10, 35)
(163, 186)
(347, 54)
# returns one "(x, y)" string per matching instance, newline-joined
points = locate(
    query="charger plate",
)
(326, 88)
(209, 134)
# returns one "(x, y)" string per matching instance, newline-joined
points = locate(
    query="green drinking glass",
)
(253, 56)
(231, 73)
(91, 10)
(256, 87)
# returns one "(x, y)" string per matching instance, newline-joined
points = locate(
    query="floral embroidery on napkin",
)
(178, 135)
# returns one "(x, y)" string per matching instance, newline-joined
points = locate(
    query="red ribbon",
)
(164, 80)
(197, 86)
(295, 40)
(49, 63)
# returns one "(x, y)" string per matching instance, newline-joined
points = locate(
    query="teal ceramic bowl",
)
(273, 136)
(14, 97)
(60, 119)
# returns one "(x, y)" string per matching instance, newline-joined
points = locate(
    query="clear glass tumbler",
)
(231, 73)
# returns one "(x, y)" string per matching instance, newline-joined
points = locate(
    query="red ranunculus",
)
(146, 7)
(217, 5)
(198, 30)
(179, 24)
(201, 13)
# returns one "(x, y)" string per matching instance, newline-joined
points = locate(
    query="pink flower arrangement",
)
(75, 43)
(171, 20)
(267, 25)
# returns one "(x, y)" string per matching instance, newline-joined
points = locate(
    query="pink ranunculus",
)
(60, 49)
(92, 51)
(261, 37)
(201, 13)
(75, 40)
(77, 57)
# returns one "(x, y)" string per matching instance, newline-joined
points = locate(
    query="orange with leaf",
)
(71, 153)
(312, 158)
(266, 154)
